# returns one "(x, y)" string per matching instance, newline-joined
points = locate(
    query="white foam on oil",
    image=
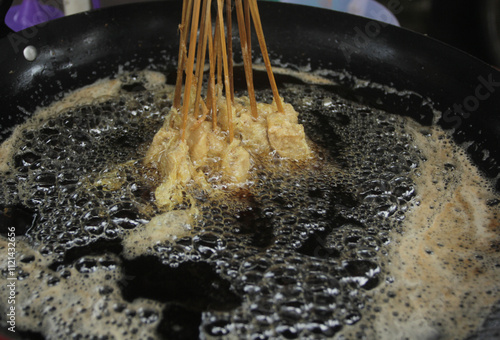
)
(70, 302)
(443, 267)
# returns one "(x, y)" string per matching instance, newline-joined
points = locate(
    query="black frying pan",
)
(76, 51)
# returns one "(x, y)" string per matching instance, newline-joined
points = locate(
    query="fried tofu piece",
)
(236, 164)
(159, 149)
(177, 164)
(253, 133)
(288, 139)
(177, 170)
(198, 143)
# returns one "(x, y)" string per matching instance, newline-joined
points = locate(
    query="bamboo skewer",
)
(218, 61)
(200, 64)
(211, 78)
(190, 66)
(247, 57)
(248, 23)
(229, 33)
(211, 100)
(226, 72)
(262, 42)
(187, 7)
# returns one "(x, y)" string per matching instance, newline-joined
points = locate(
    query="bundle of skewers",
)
(198, 35)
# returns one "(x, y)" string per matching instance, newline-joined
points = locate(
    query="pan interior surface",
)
(249, 264)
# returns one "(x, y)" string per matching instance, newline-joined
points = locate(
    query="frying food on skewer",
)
(221, 133)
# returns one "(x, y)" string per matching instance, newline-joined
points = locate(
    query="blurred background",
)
(470, 25)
